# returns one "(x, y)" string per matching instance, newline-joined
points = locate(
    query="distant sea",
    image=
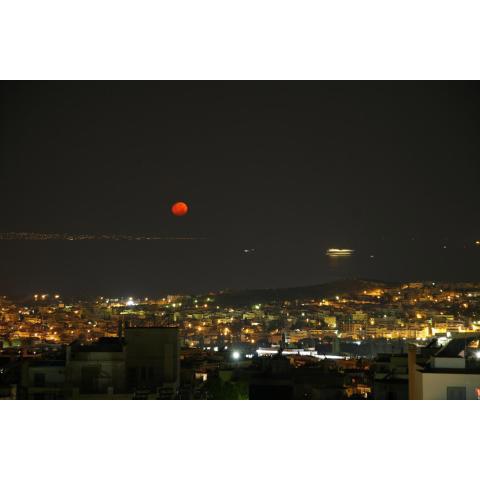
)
(160, 267)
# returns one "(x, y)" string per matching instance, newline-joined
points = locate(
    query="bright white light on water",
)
(340, 252)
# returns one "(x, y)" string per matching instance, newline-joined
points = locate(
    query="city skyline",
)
(349, 340)
(273, 203)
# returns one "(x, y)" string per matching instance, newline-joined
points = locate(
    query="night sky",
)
(390, 169)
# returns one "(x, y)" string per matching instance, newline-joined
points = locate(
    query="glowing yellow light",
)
(339, 252)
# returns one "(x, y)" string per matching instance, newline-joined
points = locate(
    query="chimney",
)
(412, 371)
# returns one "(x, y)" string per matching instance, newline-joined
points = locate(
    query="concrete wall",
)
(54, 375)
(107, 368)
(434, 385)
(152, 356)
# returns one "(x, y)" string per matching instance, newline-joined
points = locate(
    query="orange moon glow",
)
(179, 209)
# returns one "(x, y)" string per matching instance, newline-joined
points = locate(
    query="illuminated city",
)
(247, 241)
(239, 239)
(34, 236)
(335, 341)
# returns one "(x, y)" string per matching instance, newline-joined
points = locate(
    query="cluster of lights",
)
(340, 252)
(130, 302)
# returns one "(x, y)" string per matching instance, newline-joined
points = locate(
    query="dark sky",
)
(390, 169)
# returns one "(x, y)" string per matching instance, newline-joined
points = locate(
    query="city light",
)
(340, 252)
(354, 328)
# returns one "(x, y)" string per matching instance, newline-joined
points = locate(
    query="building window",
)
(89, 382)
(456, 393)
(39, 380)
(132, 376)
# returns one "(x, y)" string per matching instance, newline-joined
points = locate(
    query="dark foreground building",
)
(143, 364)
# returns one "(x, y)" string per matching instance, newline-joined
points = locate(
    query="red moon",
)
(179, 209)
